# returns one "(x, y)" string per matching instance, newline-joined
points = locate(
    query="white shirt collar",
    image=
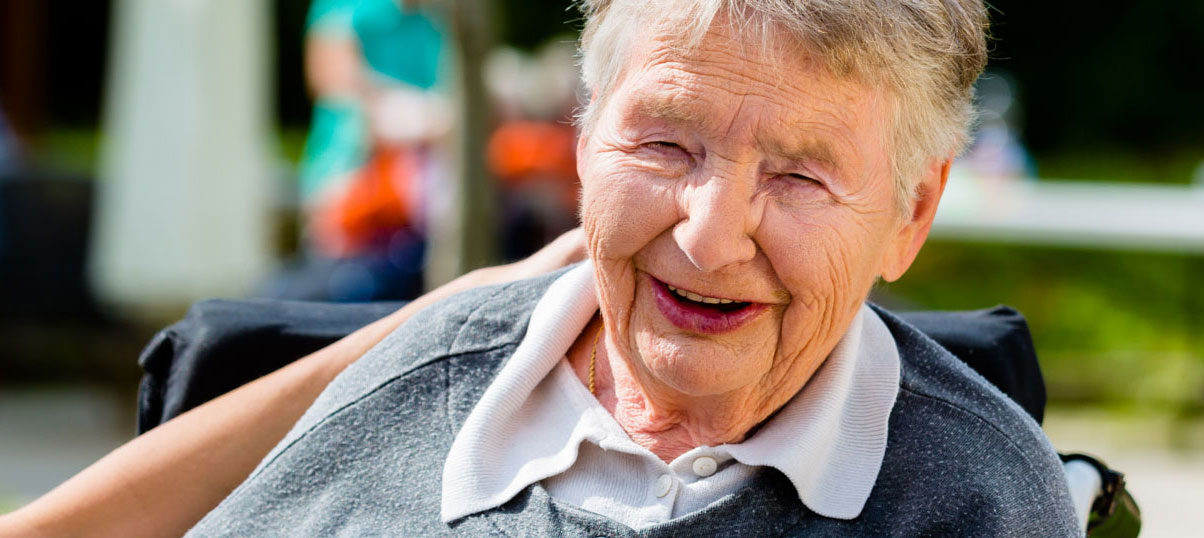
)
(829, 440)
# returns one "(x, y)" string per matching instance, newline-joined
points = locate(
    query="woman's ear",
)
(583, 136)
(582, 142)
(913, 230)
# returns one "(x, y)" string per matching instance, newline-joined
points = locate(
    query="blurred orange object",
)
(522, 151)
(375, 202)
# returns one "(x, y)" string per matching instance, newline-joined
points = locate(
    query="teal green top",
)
(399, 46)
(402, 44)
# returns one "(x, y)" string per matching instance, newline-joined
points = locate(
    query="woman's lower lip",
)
(700, 318)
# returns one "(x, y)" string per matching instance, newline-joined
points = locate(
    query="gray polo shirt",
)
(537, 421)
(367, 458)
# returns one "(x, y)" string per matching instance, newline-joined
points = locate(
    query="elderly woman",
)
(750, 169)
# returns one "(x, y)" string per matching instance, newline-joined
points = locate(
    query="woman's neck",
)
(664, 421)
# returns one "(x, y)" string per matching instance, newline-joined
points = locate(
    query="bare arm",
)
(163, 482)
(332, 67)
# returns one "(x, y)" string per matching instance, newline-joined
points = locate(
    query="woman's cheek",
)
(793, 241)
(624, 210)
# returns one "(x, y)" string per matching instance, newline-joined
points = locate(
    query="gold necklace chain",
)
(593, 360)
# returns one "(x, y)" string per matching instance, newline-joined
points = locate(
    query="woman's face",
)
(761, 192)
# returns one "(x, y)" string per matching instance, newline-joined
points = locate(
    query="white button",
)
(664, 483)
(705, 466)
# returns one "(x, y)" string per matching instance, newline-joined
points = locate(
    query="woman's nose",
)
(720, 217)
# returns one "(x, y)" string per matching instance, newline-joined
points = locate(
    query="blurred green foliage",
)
(1126, 165)
(68, 149)
(1109, 326)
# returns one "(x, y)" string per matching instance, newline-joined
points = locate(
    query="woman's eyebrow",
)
(806, 151)
(659, 108)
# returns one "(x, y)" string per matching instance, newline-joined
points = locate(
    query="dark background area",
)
(1091, 75)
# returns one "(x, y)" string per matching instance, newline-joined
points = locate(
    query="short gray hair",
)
(927, 53)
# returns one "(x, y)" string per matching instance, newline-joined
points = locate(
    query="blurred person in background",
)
(374, 156)
(532, 151)
(997, 153)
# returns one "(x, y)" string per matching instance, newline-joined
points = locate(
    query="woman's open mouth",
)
(701, 313)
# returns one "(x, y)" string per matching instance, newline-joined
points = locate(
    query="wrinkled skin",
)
(733, 175)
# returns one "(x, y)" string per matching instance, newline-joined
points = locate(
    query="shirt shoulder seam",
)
(468, 321)
(441, 358)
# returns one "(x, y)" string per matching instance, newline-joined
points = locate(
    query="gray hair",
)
(926, 53)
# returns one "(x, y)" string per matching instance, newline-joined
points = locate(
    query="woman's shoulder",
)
(932, 378)
(393, 412)
(958, 446)
(957, 470)
(476, 322)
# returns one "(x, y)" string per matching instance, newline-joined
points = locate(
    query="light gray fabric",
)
(365, 460)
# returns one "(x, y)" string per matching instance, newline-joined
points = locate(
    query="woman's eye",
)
(664, 146)
(802, 177)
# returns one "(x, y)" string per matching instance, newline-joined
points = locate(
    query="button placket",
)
(665, 488)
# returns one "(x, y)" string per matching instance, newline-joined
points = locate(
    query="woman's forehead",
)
(795, 109)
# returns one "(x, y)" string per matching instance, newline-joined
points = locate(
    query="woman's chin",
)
(696, 369)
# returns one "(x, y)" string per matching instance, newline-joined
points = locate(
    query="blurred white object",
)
(997, 151)
(534, 86)
(182, 207)
(1073, 213)
(1085, 485)
(402, 115)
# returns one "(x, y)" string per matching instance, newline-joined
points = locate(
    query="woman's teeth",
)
(698, 298)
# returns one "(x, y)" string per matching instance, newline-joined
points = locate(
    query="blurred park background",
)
(155, 152)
